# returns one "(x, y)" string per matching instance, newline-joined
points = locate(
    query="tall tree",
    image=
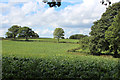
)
(13, 31)
(113, 34)
(98, 43)
(27, 33)
(58, 33)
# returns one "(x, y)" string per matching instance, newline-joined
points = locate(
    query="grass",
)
(34, 48)
(26, 60)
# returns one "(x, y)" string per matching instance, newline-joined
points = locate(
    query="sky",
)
(74, 16)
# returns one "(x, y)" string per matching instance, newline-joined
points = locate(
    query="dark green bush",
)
(27, 68)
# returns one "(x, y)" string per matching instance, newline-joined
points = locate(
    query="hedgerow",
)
(59, 67)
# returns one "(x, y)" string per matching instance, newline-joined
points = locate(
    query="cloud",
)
(76, 18)
(2, 32)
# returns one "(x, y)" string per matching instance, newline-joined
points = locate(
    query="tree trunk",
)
(26, 38)
(14, 36)
(115, 50)
(58, 40)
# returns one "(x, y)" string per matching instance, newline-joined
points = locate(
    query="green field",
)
(25, 60)
(31, 49)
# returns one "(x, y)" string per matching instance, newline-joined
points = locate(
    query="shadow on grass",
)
(44, 41)
(25, 40)
(94, 54)
(107, 54)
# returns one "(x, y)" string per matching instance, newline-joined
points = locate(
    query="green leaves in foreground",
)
(59, 67)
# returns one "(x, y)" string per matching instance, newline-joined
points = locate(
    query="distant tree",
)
(58, 33)
(112, 35)
(13, 31)
(9, 35)
(35, 35)
(27, 32)
(62, 37)
(77, 36)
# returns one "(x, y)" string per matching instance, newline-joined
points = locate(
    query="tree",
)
(62, 37)
(58, 33)
(112, 35)
(13, 31)
(9, 35)
(35, 35)
(98, 43)
(77, 36)
(27, 33)
(84, 42)
(53, 3)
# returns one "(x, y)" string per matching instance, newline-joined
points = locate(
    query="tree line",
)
(25, 32)
(21, 32)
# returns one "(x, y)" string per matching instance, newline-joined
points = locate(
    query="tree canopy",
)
(112, 35)
(98, 43)
(21, 32)
(13, 31)
(53, 3)
(77, 36)
(58, 33)
(27, 33)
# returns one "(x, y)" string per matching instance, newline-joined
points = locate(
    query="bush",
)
(58, 67)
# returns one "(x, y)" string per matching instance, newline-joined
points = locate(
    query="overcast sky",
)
(74, 16)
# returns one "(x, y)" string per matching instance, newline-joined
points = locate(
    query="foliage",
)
(27, 32)
(98, 43)
(77, 36)
(58, 33)
(60, 67)
(105, 2)
(21, 32)
(112, 35)
(62, 38)
(84, 42)
(13, 31)
(54, 3)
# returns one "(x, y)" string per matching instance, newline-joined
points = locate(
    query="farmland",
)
(35, 59)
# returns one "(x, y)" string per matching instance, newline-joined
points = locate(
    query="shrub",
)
(58, 67)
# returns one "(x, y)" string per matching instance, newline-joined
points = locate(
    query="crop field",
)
(36, 60)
